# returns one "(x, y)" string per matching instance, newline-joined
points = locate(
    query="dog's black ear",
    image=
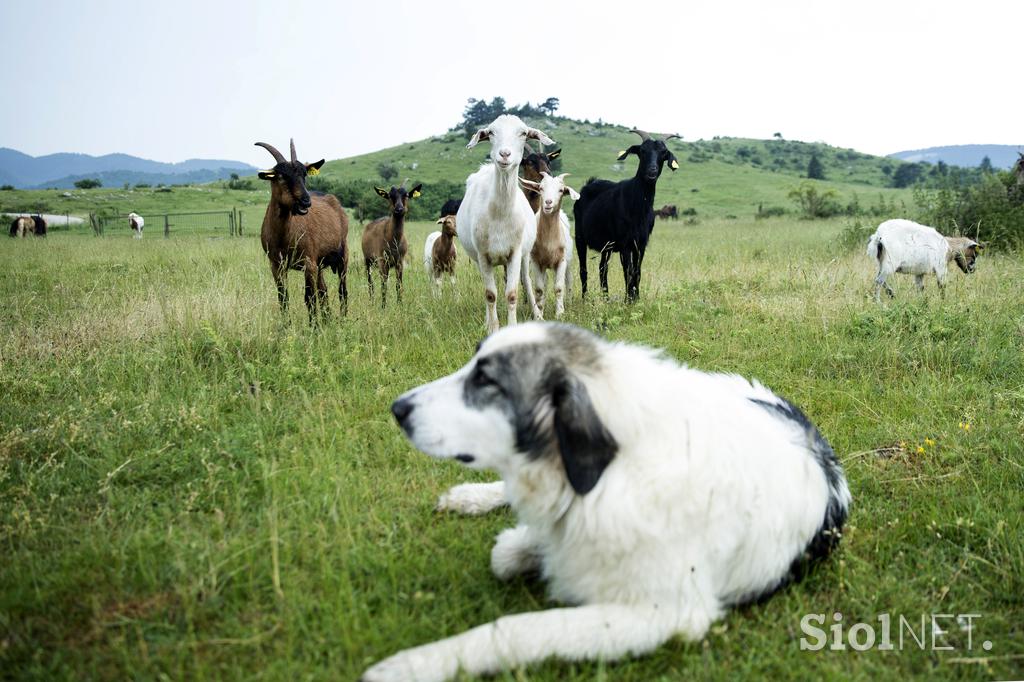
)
(584, 443)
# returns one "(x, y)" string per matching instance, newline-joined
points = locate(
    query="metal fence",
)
(199, 222)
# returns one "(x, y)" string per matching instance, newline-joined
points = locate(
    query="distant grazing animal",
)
(553, 249)
(533, 165)
(40, 225)
(650, 496)
(668, 211)
(136, 222)
(303, 230)
(450, 207)
(619, 216)
(495, 223)
(439, 252)
(909, 248)
(23, 226)
(384, 242)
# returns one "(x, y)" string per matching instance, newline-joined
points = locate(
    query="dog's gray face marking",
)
(533, 400)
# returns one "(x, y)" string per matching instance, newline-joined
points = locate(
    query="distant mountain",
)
(61, 170)
(966, 155)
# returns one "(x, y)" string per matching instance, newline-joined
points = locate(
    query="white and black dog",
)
(652, 495)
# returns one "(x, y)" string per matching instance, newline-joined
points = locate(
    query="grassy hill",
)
(720, 177)
(723, 177)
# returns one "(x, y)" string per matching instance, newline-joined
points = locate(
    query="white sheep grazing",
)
(910, 248)
(553, 248)
(495, 223)
(136, 222)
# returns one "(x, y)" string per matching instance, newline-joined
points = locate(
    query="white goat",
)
(553, 248)
(495, 223)
(136, 222)
(910, 248)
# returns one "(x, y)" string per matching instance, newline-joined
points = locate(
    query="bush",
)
(88, 183)
(855, 235)
(814, 203)
(6, 188)
(142, 185)
(988, 208)
(769, 212)
(387, 171)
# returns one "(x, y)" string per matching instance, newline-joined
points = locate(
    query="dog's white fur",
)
(707, 502)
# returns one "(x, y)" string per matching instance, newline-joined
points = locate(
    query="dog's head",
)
(520, 398)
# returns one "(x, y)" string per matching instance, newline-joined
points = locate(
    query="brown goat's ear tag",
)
(415, 193)
(313, 171)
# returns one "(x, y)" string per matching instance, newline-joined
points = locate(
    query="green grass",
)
(193, 488)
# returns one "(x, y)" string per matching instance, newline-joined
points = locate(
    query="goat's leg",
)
(513, 271)
(385, 271)
(630, 259)
(919, 282)
(940, 279)
(490, 295)
(561, 286)
(369, 275)
(343, 283)
(312, 274)
(321, 293)
(399, 269)
(602, 269)
(581, 253)
(524, 272)
(540, 283)
(280, 273)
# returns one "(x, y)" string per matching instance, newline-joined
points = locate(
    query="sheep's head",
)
(447, 224)
(508, 135)
(653, 155)
(399, 197)
(551, 189)
(288, 179)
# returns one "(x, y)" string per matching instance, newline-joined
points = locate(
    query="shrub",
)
(986, 208)
(855, 235)
(88, 183)
(814, 203)
(769, 212)
(6, 188)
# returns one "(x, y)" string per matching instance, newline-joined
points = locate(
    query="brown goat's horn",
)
(644, 135)
(278, 156)
(402, 186)
(669, 137)
(294, 158)
(529, 149)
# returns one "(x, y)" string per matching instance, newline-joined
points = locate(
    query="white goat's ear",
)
(439, 221)
(534, 134)
(573, 194)
(478, 137)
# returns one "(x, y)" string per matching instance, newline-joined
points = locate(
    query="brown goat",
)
(303, 231)
(23, 226)
(384, 242)
(534, 165)
(439, 252)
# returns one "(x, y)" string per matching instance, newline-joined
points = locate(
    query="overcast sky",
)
(184, 79)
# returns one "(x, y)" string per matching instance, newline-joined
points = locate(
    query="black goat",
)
(451, 207)
(619, 216)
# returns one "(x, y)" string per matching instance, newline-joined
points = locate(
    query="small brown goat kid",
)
(384, 242)
(439, 252)
(534, 165)
(303, 231)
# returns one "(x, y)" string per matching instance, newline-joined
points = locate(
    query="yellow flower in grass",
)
(965, 427)
(920, 450)
(929, 442)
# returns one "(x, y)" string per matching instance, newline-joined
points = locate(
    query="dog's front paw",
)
(514, 553)
(473, 498)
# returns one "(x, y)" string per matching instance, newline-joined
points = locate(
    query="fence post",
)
(231, 223)
(167, 227)
(239, 223)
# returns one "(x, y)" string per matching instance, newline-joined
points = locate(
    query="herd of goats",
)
(502, 220)
(517, 222)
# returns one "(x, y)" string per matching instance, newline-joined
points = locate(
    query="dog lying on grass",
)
(650, 495)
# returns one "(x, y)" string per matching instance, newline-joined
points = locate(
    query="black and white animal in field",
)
(136, 223)
(650, 496)
(618, 217)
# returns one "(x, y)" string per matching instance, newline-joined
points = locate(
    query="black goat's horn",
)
(294, 159)
(669, 137)
(278, 156)
(644, 135)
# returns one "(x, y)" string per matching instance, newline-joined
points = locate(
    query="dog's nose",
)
(401, 408)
